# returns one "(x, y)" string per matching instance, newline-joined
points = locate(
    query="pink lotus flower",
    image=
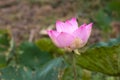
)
(69, 36)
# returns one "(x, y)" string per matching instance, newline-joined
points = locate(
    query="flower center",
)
(77, 43)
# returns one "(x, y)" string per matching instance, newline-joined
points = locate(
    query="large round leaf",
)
(30, 55)
(103, 58)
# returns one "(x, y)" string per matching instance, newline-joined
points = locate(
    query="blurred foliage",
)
(68, 74)
(16, 73)
(49, 71)
(29, 53)
(103, 21)
(52, 70)
(4, 40)
(4, 46)
(114, 8)
(46, 44)
(2, 61)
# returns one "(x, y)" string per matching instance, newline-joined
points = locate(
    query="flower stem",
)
(74, 66)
